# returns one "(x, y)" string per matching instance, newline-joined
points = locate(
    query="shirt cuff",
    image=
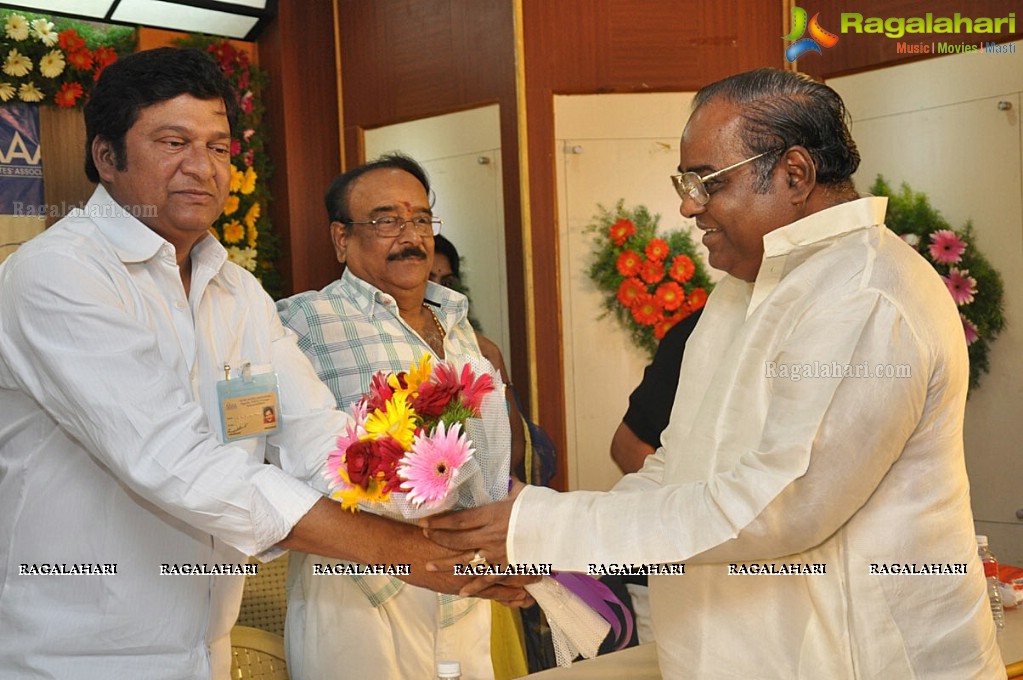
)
(279, 501)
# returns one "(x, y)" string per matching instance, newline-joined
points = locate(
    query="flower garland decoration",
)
(44, 64)
(974, 284)
(407, 435)
(244, 227)
(649, 282)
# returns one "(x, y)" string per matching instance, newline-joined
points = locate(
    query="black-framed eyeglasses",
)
(691, 185)
(391, 226)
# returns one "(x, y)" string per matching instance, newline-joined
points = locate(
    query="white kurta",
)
(761, 467)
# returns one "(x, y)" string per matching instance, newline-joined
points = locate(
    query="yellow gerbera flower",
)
(398, 421)
(252, 215)
(236, 179)
(17, 27)
(17, 64)
(231, 205)
(350, 497)
(30, 93)
(7, 92)
(416, 376)
(233, 232)
(43, 30)
(249, 181)
(251, 235)
(52, 64)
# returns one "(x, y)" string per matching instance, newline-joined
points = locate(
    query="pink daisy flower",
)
(430, 468)
(962, 286)
(336, 458)
(946, 247)
(969, 330)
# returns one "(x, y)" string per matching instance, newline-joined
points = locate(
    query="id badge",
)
(249, 404)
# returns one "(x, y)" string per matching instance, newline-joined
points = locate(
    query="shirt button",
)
(180, 304)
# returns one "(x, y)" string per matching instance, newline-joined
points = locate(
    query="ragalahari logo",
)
(819, 37)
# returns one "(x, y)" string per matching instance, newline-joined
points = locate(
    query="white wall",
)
(937, 125)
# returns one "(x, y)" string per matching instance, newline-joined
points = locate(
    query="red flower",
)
(630, 290)
(697, 298)
(69, 40)
(620, 231)
(652, 271)
(243, 80)
(81, 59)
(359, 462)
(434, 397)
(663, 326)
(379, 393)
(647, 310)
(247, 102)
(387, 452)
(682, 268)
(670, 295)
(104, 56)
(67, 96)
(629, 263)
(657, 249)
(236, 147)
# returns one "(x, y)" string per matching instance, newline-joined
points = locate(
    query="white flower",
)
(43, 30)
(7, 91)
(52, 64)
(17, 27)
(243, 257)
(17, 64)
(911, 239)
(29, 93)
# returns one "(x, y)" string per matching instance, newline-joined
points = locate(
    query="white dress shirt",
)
(846, 472)
(111, 453)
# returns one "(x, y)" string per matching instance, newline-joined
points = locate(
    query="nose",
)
(198, 162)
(690, 207)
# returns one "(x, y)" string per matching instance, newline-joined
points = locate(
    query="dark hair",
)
(784, 108)
(336, 199)
(442, 246)
(138, 80)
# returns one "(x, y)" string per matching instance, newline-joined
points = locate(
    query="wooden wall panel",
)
(304, 140)
(861, 52)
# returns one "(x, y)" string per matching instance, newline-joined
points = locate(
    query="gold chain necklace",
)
(436, 321)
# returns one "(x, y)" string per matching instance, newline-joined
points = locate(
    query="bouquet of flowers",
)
(975, 285)
(649, 283)
(423, 441)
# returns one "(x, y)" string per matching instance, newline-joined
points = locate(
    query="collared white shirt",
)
(111, 453)
(818, 420)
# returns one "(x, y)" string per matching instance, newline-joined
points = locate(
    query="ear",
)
(339, 237)
(105, 158)
(800, 173)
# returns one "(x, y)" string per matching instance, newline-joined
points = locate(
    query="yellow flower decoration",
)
(249, 182)
(17, 64)
(398, 421)
(52, 64)
(17, 27)
(231, 205)
(7, 92)
(350, 497)
(30, 93)
(233, 232)
(236, 179)
(252, 215)
(416, 376)
(251, 235)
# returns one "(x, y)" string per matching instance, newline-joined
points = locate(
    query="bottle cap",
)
(449, 669)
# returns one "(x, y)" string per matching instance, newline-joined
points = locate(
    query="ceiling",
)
(240, 19)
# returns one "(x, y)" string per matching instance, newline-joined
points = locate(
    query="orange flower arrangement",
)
(649, 282)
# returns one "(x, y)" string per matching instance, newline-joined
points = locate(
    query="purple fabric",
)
(599, 598)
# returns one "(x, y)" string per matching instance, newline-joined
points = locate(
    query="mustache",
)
(408, 253)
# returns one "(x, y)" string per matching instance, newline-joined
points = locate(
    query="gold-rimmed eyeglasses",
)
(691, 185)
(391, 226)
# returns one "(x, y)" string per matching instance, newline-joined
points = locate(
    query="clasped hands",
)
(477, 539)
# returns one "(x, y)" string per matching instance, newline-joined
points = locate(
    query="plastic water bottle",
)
(449, 670)
(991, 574)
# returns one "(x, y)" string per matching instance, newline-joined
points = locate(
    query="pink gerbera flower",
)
(431, 467)
(474, 388)
(353, 432)
(962, 286)
(946, 246)
(969, 330)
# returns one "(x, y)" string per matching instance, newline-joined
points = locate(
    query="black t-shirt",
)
(650, 403)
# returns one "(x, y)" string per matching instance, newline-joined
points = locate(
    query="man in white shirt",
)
(131, 478)
(814, 454)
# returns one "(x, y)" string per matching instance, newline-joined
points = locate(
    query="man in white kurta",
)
(815, 444)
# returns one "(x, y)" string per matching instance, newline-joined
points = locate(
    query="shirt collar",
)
(782, 244)
(451, 307)
(133, 241)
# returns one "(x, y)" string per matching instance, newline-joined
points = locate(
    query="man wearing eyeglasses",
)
(383, 314)
(811, 477)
